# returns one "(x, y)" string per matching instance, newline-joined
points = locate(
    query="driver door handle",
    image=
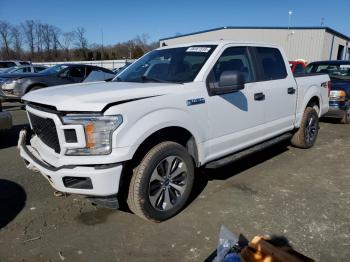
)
(259, 96)
(291, 90)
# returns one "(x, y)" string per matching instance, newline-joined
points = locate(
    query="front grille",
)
(45, 129)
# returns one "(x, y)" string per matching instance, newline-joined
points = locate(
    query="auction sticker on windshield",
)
(198, 49)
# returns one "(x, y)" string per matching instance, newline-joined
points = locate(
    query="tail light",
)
(329, 88)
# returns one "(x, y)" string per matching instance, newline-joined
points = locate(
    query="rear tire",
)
(162, 183)
(307, 133)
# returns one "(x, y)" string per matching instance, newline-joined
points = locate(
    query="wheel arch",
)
(314, 101)
(176, 134)
(312, 97)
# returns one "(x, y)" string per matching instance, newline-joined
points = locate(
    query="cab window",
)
(272, 63)
(234, 59)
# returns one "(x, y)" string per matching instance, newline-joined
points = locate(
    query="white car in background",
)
(23, 69)
(11, 63)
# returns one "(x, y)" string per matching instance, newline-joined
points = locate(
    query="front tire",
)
(307, 133)
(162, 183)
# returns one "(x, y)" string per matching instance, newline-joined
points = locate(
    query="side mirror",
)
(230, 81)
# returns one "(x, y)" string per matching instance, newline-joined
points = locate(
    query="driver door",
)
(236, 119)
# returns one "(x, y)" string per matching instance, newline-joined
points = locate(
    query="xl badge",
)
(195, 101)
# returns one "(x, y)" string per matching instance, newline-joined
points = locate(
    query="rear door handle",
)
(291, 90)
(259, 96)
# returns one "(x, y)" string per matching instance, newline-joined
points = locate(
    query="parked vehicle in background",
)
(120, 69)
(339, 73)
(176, 108)
(23, 69)
(297, 67)
(5, 119)
(11, 63)
(14, 86)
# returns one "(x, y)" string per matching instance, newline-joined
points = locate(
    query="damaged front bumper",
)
(96, 181)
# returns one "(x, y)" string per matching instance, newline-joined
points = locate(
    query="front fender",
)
(132, 133)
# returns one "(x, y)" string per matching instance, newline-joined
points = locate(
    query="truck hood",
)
(96, 96)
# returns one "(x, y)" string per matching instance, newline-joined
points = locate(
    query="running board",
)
(235, 156)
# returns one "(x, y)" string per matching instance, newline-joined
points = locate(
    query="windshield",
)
(341, 71)
(54, 69)
(171, 65)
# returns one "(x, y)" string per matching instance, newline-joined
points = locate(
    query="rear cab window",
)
(271, 63)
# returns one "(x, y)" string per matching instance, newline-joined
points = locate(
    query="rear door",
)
(279, 88)
(236, 119)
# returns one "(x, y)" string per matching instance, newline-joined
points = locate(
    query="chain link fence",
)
(109, 64)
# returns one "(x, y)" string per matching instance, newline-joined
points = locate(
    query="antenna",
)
(290, 12)
(322, 21)
(102, 55)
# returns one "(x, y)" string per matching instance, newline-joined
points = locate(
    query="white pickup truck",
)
(139, 137)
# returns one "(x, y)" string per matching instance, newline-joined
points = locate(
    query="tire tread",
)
(134, 199)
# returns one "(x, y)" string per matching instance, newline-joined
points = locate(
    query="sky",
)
(123, 20)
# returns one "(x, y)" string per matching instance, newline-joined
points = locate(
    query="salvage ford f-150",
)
(173, 110)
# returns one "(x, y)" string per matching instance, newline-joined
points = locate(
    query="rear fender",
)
(312, 92)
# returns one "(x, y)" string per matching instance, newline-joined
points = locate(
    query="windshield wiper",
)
(152, 79)
(147, 78)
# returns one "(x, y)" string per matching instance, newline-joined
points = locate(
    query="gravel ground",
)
(300, 195)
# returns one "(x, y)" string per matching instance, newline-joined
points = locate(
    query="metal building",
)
(308, 43)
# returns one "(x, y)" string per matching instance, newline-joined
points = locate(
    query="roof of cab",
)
(218, 43)
(332, 62)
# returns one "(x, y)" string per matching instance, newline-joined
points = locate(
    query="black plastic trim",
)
(248, 151)
(52, 168)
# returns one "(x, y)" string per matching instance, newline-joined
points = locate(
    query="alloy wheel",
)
(168, 183)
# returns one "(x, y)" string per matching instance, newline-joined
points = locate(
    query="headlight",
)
(8, 84)
(337, 95)
(98, 133)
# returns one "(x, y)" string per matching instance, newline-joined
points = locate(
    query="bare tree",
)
(38, 29)
(81, 41)
(45, 35)
(45, 42)
(29, 32)
(142, 41)
(67, 39)
(5, 35)
(17, 38)
(55, 36)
